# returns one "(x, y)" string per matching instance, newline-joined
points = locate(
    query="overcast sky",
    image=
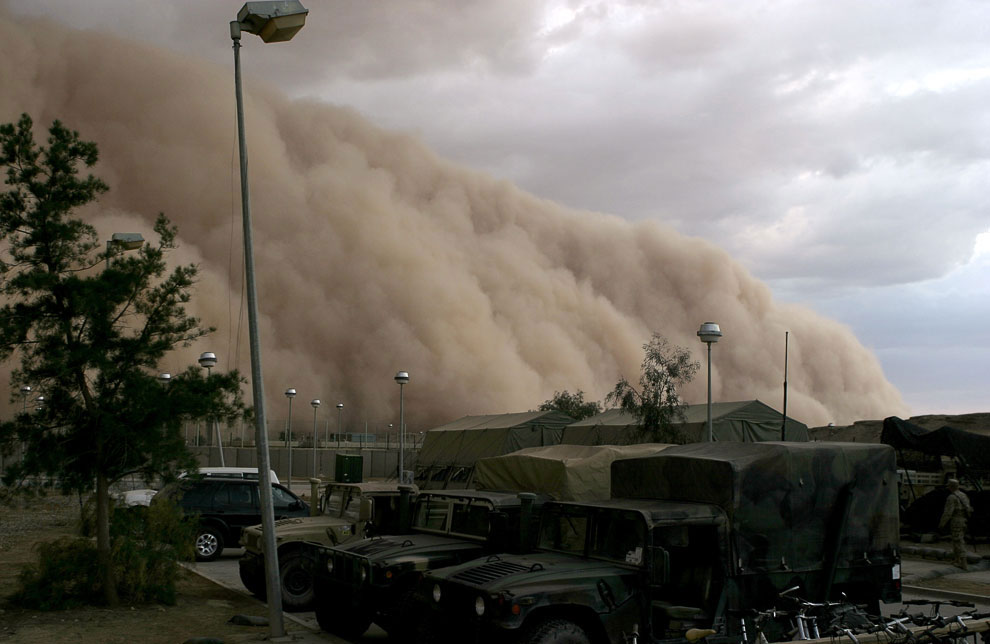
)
(838, 149)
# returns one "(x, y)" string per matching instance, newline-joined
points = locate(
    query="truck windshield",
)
(463, 517)
(564, 529)
(618, 535)
(343, 502)
(615, 535)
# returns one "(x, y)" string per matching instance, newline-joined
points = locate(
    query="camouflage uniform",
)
(956, 513)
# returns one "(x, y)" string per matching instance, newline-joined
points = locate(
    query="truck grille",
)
(489, 572)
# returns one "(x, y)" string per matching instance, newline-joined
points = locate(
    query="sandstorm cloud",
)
(375, 255)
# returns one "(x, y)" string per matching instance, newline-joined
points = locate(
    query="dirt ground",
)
(202, 609)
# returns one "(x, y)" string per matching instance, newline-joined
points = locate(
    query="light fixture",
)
(402, 378)
(709, 334)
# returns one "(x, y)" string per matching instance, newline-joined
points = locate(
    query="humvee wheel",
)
(346, 623)
(254, 583)
(296, 575)
(555, 631)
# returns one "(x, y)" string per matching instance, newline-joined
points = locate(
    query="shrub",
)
(146, 543)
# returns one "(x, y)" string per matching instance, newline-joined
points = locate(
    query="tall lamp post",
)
(208, 360)
(316, 405)
(709, 334)
(340, 408)
(25, 392)
(402, 378)
(290, 393)
(273, 22)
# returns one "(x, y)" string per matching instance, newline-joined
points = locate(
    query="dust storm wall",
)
(374, 255)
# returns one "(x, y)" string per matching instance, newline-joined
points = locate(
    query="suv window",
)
(281, 498)
(236, 495)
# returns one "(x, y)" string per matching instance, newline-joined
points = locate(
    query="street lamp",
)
(164, 378)
(25, 392)
(290, 394)
(402, 378)
(316, 405)
(273, 22)
(208, 360)
(123, 241)
(709, 334)
(340, 408)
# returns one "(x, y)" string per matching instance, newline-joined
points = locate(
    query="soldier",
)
(957, 512)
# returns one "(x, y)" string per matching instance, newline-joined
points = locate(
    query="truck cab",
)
(369, 580)
(347, 511)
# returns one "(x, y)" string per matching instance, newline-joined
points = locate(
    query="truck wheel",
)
(254, 582)
(296, 574)
(348, 624)
(555, 631)
(209, 544)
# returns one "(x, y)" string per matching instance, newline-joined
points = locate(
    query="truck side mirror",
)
(367, 509)
(659, 566)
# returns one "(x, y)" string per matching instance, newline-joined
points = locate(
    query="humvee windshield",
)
(614, 535)
(344, 502)
(462, 517)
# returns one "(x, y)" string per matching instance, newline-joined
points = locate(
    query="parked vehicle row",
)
(694, 538)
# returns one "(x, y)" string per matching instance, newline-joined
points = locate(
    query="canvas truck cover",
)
(782, 499)
(562, 472)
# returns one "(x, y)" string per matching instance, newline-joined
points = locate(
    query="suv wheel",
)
(558, 631)
(296, 572)
(209, 544)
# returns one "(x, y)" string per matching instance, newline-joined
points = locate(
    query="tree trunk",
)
(103, 541)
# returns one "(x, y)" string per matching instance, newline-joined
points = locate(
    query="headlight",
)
(364, 573)
(330, 565)
(436, 593)
(479, 605)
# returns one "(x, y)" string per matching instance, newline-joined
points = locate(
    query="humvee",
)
(372, 579)
(347, 511)
(693, 538)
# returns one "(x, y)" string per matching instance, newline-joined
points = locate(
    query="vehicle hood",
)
(295, 527)
(392, 549)
(517, 573)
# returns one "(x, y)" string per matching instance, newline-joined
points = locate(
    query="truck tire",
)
(555, 631)
(209, 544)
(296, 577)
(339, 618)
(254, 582)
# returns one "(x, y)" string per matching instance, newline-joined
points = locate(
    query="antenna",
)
(783, 421)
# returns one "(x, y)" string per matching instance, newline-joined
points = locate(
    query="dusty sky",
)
(836, 152)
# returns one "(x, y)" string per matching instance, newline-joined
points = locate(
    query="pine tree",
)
(87, 329)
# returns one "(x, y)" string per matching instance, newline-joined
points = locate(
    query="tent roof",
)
(504, 421)
(692, 414)
(973, 449)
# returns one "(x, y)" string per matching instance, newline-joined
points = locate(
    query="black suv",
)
(226, 506)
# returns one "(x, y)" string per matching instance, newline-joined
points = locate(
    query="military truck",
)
(371, 580)
(695, 537)
(367, 580)
(347, 511)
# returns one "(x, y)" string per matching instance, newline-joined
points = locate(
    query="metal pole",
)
(340, 408)
(783, 421)
(709, 391)
(314, 441)
(288, 444)
(274, 588)
(402, 436)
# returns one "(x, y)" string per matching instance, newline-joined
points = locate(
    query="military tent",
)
(562, 472)
(747, 421)
(450, 451)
